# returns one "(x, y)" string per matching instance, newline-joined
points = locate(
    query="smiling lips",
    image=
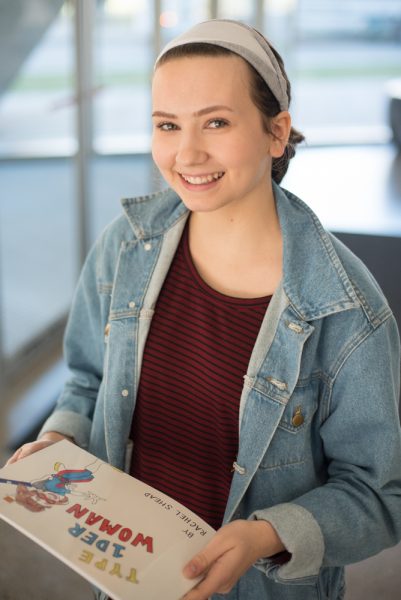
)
(202, 179)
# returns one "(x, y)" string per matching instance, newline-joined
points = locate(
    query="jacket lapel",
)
(142, 267)
(272, 375)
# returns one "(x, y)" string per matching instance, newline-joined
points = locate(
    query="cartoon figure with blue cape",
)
(39, 495)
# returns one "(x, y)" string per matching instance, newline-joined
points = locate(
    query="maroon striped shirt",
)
(185, 426)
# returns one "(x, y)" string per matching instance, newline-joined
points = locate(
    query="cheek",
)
(229, 152)
(162, 153)
(256, 154)
(245, 151)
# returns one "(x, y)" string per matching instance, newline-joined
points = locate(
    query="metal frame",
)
(259, 14)
(2, 365)
(157, 36)
(84, 17)
(214, 9)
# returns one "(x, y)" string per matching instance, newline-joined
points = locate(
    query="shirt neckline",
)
(210, 291)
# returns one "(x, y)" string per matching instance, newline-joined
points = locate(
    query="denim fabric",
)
(320, 446)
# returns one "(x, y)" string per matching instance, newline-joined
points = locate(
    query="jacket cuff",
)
(70, 424)
(302, 537)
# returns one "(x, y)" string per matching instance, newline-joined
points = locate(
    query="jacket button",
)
(131, 304)
(240, 470)
(295, 327)
(147, 246)
(125, 393)
(298, 418)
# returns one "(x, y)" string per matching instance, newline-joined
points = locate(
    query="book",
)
(125, 537)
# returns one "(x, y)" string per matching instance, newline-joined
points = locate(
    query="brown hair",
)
(260, 93)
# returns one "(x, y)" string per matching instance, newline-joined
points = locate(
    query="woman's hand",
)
(47, 439)
(234, 548)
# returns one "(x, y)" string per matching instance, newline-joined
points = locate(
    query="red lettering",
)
(77, 511)
(140, 539)
(93, 519)
(109, 529)
(125, 534)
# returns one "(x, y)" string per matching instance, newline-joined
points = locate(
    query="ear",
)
(280, 126)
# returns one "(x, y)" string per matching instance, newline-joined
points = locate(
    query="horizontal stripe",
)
(185, 426)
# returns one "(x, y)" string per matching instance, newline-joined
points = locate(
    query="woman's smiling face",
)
(208, 138)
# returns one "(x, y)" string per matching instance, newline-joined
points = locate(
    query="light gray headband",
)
(244, 41)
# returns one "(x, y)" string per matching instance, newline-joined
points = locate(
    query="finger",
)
(26, 450)
(217, 580)
(14, 457)
(201, 562)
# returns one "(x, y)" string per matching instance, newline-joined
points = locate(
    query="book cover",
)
(125, 537)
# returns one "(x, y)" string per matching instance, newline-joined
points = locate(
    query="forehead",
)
(201, 78)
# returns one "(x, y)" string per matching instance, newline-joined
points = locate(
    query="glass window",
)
(341, 55)
(123, 62)
(114, 178)
(237, 9)
(37, 228)
(36, 80)
(124, 53)
(178, 15)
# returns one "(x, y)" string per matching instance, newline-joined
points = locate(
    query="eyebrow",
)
(198, 113)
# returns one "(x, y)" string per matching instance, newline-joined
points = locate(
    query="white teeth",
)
(204, 179)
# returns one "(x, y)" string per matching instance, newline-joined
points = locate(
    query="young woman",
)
(248, 355)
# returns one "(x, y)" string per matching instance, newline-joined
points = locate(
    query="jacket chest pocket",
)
(293, 441)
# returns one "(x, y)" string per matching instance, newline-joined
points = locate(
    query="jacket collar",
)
(151, 216)
(311, 263)
(314, 281)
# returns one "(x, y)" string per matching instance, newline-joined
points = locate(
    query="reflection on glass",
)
(236, 9)
(178, 15)
(36, 209)
(37, 101)
(123, 64)
(343, 56)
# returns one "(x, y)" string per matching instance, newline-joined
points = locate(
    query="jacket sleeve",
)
(357, 512)
(83, 351)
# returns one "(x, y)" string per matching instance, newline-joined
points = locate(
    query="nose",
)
(191, 150)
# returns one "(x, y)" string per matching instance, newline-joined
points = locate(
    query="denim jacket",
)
(319, 445)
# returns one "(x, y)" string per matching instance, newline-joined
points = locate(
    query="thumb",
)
(198, 565)
(204, 560)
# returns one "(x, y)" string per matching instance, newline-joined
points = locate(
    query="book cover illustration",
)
(122, 535)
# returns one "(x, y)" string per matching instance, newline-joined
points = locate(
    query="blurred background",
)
(75, 138)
